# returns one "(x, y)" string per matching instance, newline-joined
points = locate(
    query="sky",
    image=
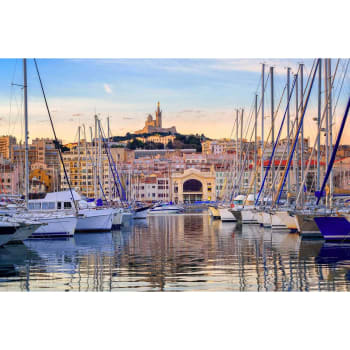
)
(196, 95)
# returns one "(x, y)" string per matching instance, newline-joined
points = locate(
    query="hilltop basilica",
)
(155, 125)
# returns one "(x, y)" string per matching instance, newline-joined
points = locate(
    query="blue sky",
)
(196, 95)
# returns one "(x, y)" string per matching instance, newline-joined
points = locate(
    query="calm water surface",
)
(177, 253)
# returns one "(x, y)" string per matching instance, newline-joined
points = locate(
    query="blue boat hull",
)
(334, 228)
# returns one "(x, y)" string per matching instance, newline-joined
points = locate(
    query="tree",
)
(134, 144)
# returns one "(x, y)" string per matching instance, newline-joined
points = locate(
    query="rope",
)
(57, 145)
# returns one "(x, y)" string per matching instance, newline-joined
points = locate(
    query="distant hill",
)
(181, 141)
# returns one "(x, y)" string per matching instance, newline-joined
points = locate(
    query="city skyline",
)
(204, 91)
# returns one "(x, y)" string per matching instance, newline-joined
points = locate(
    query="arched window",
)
(192, 185)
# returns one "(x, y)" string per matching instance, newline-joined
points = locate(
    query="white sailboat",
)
(53, 224)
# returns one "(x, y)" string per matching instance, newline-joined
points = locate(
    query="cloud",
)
(128, 118)
(108, 88)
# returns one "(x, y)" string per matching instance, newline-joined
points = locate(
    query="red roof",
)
(284, 162)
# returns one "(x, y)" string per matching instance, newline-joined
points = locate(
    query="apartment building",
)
(6, 146)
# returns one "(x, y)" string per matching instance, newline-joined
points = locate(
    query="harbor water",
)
(184, 252)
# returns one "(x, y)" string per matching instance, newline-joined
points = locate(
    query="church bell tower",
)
(158, 116)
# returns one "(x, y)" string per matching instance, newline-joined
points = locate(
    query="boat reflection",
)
(15, 262)
(178, 253)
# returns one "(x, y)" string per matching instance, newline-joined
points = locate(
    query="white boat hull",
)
(117, 219)
(141, 214)
(55, 227)
(164, 211)
(248, 217)
(281, 220)
(226, 215)
(260, 219)
(266, 219)
(95, 220)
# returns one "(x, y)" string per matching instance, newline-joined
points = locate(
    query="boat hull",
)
(214, 213)
(307, 226)
(7, 232)
(24, 232)
(334, 228)
(248, 217)
(266, 218)
(55, 227)
(164, 211)
(283, 221)
(237, 215)
(141, 213)
(100, 220)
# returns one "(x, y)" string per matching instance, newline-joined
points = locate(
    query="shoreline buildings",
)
(224, 166)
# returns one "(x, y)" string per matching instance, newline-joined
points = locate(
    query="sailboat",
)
(334, 227)
(285, 216)
(327, 221)
(53, 224)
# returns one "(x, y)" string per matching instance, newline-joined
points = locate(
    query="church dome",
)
(149, 118)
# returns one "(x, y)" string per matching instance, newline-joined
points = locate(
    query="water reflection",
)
(177, 253)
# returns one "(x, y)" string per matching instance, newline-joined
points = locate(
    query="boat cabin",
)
(60, 201)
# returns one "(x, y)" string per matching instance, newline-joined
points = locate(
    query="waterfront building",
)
(44, 177)
(224, 178)
(152, 188)
(79, 164)
(10, 175)
(193, 185)
(88, 171)
(6, 146)
(43, 155)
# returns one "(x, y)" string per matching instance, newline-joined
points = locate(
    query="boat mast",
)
(86, 163)
(241, 147)
(109, 168)
(262, 122)
(100, 158)
(330, 114)
(272, 129)
(237, 165)
(92, 161)
(288, 130)
(319, 126)
(79, 154)
(297, 148)
(26, 134)
(302, 130)
(327, 119)
(96, 157)
(255, 143)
